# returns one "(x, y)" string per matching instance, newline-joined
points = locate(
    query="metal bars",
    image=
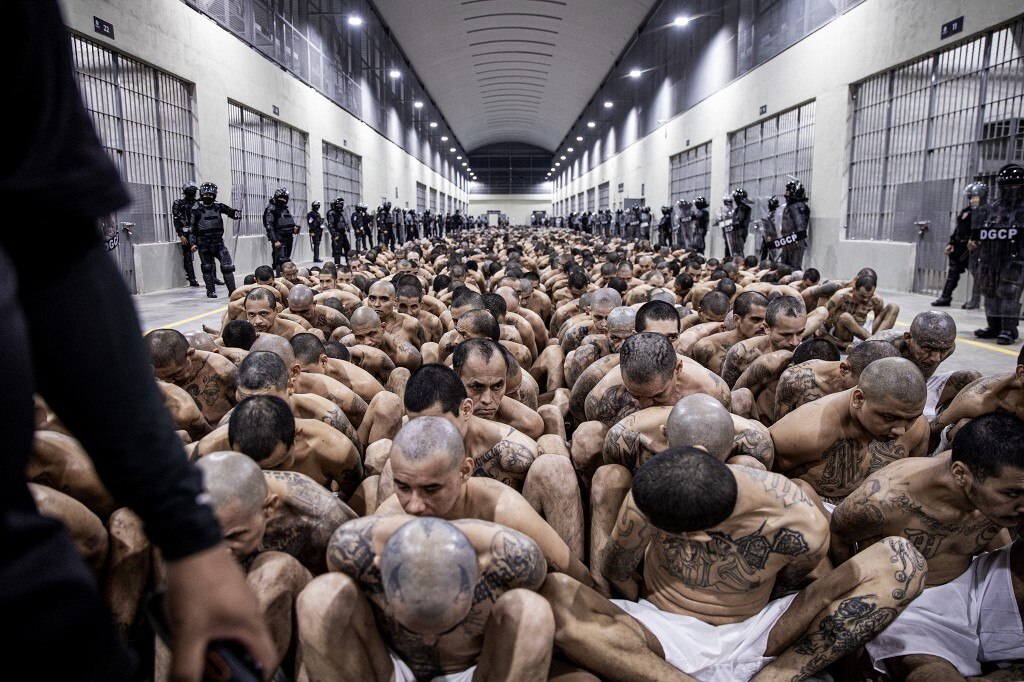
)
(952, 116)
(144, 118)
(265, 154)
(690, 173)
(765, 156)
(343, 176)
(602, 196)
(421, 197)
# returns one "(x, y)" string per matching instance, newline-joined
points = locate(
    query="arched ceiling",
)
(512, 70)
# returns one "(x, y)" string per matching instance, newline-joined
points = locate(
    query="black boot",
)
(1009, 332)
(995, 326)
(229, 278)
(946, 297)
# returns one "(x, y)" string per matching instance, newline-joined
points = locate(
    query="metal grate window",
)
(947, 118)
(421, 197)
(765, 156)
(602, 196)
(690, 173)
(265, 154)
(591, 199)
(433, 200)
(442, 206)
(343, 176)
(144, 118)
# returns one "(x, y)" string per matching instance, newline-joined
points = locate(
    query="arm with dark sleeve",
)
(232, 213)
(270, 223)
(103, 389)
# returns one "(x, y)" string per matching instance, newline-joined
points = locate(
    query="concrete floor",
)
(187, 309)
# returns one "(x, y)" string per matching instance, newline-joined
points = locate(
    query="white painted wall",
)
(179, 40)
(870, 38)
(518, 207)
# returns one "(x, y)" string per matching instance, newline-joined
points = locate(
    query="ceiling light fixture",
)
(563, 157)
(579, 138)
(635, 73)
(433, 125)
(418, 104)
(394, 73)
(354, 20)
(591, 124)
(609, 104)
(557, 164)
(570, 149)
(681, 21)
(444, 138)
(451, 150)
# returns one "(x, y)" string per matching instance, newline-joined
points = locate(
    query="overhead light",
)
(433, 125)
(452, 149)
(463, 163)
(557, 164)
(591, 124)
(394, 73)
(681, 21)
(609, 104)
(354, 20)
(569, 149)
(635, 73)
(552, 169)
(444, 138)
(459, 158)
(418, 104)
(579, 138)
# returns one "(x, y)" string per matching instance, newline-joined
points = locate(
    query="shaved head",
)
(300, 297)
(606, 299)
(866, 352)
(202, 341)
(429, 569)
(229, 476)
(622, 318)
(698, 420)
(273, 343)
(382, 287)
(166, 347)
(934, 329)
(426, 437)
(894, 378)
(511, 298)
(365, 316)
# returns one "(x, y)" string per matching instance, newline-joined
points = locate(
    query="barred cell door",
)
(922, 216)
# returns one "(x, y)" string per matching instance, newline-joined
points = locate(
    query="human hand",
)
(948, 250)
(184, 240)
(208, 599)
(277, 245)
(194, 248)
(972, 245)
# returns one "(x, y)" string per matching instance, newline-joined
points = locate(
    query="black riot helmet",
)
(666, 210)
(361, 207)
(739, 195)
(315, 205)
(976, 189)
(773, 202)
(795, 191)
(1010, 175)
(189, 189)
(727, 199)
(339, 202)
(207, 192)
(683, 203)
(700, 202)
(281, 195)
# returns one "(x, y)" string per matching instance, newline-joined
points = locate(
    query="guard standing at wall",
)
(956, 250)
(620, 223)
(208, 237)
(665, 226)
(412, 226)
(385, 225)
(458, 222)
(281, 227)
(740, 221)
(428, 224)
(1000, 238)
(645, 222)
(723, 219)
(337, 227)
(770, 232)
(181, 214)
(683, 230)
(796, 220)
(315, 223)
(701, 218)
(361, 226)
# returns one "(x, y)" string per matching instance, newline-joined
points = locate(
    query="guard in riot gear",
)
(956, 250)
(723, 219)
(280, 226)
(315, 225)
(796, 225)
(337, 227)
(361, 222)
(701, 219)
(428, 224)
(458, 222)
(181, 214)
(769, 231)
(998, 232)
(645, 222)
(665, 226)
(208, 237)
(385, 225)
(412, 229)
(683, 232)
(740, 221)
(621, 220)
(606, 223)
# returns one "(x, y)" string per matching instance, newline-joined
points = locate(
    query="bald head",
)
(300, 298)
(605, 299)
(202, 341)
(511, 297)
(622, 318)
(382, 288)
(427, 437)
(893, 378)
(866, 352)
(365, 317)
(933, 329)
(167, 347)
(698, 420)
(429, 569)
(231, 476)
(272, 343)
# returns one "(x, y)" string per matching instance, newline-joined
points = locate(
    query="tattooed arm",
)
(703, 351)
(736, 362)
(585, 355)
(629, 540)
(797, 385)
(754, 441)
(337, 457)
(356, 544)
(626, 446)
(508, 462)
(763, 371)
(611, 406)
(861, 517)
(404, 354)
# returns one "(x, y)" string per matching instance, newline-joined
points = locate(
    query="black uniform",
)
(665, 226)
(796, 220)
(701, 219)
(959, 256)
(361, 227)
(337, 226)
(315, 223)
(280, 227)
(181, 213)
(208, 236)
(999, 231)
(385, 226)
(740, 227)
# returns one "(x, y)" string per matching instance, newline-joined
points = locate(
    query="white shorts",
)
(403, 673)
(936, 383)
(969, 620)
(711, 653)
(829, 507)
